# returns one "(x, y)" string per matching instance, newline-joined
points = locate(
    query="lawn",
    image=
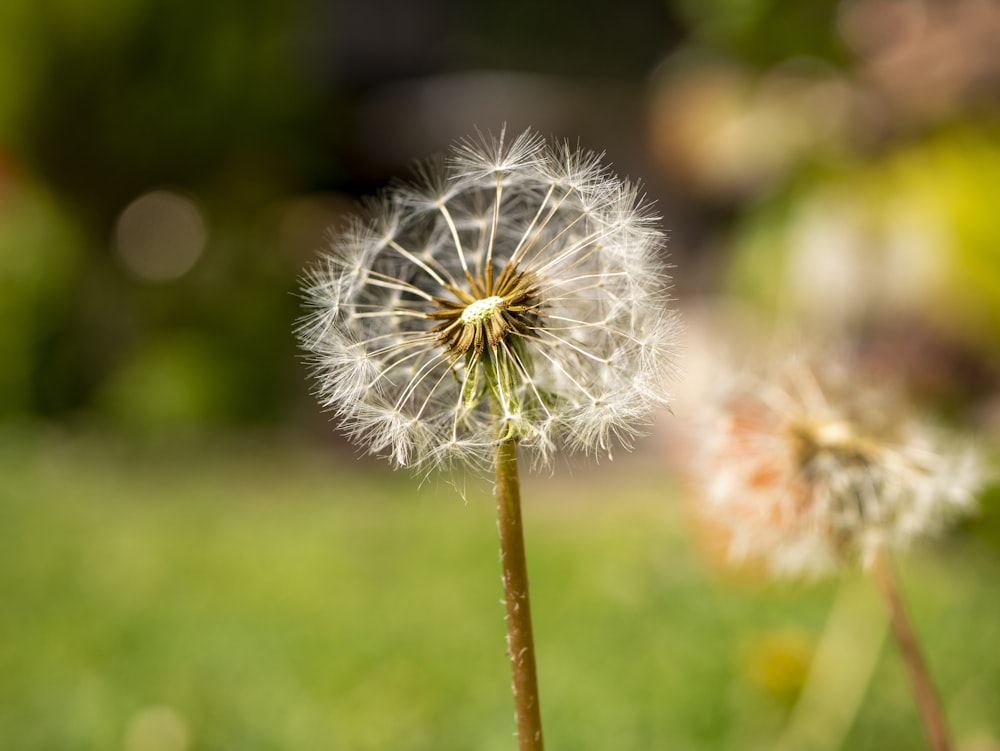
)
(259, 595)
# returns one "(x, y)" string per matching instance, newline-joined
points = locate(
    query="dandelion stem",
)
(520, 644)
(924, 694)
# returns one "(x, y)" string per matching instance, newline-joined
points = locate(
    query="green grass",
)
(268, 597)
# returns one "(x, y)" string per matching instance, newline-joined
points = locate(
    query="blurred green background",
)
(191, 559)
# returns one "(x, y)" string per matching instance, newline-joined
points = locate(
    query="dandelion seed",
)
(513, 291)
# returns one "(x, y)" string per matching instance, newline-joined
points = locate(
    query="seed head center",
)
(487, 313)
(834, 435)
(481, 310)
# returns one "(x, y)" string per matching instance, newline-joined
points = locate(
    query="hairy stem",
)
(520, 644)
(920, 681)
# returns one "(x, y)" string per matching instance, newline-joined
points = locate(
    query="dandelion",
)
(510, 297)
(809, 472)
(512, 292)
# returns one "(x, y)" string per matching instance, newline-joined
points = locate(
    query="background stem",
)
(520, 644)
(923, 689)
(840, 671)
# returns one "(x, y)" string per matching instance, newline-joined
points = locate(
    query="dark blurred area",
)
(167, 170)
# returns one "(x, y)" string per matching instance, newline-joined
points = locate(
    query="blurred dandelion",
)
(808, 472)
(511, 296)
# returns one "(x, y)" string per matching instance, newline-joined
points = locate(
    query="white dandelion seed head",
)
(807, 472)
(512, 291)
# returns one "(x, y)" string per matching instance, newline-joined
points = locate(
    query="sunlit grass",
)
(274, 598)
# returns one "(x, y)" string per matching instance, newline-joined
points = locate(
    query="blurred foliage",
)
(761, 116)
(175, 92)
(40, 251)
(913, 231)
(113, 99)
(171, 384)
(764, 32)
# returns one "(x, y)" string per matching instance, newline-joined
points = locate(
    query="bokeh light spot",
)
(160, 235)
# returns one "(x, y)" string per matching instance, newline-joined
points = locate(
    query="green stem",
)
(923, 689)
(840, 672)
(520, 644)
